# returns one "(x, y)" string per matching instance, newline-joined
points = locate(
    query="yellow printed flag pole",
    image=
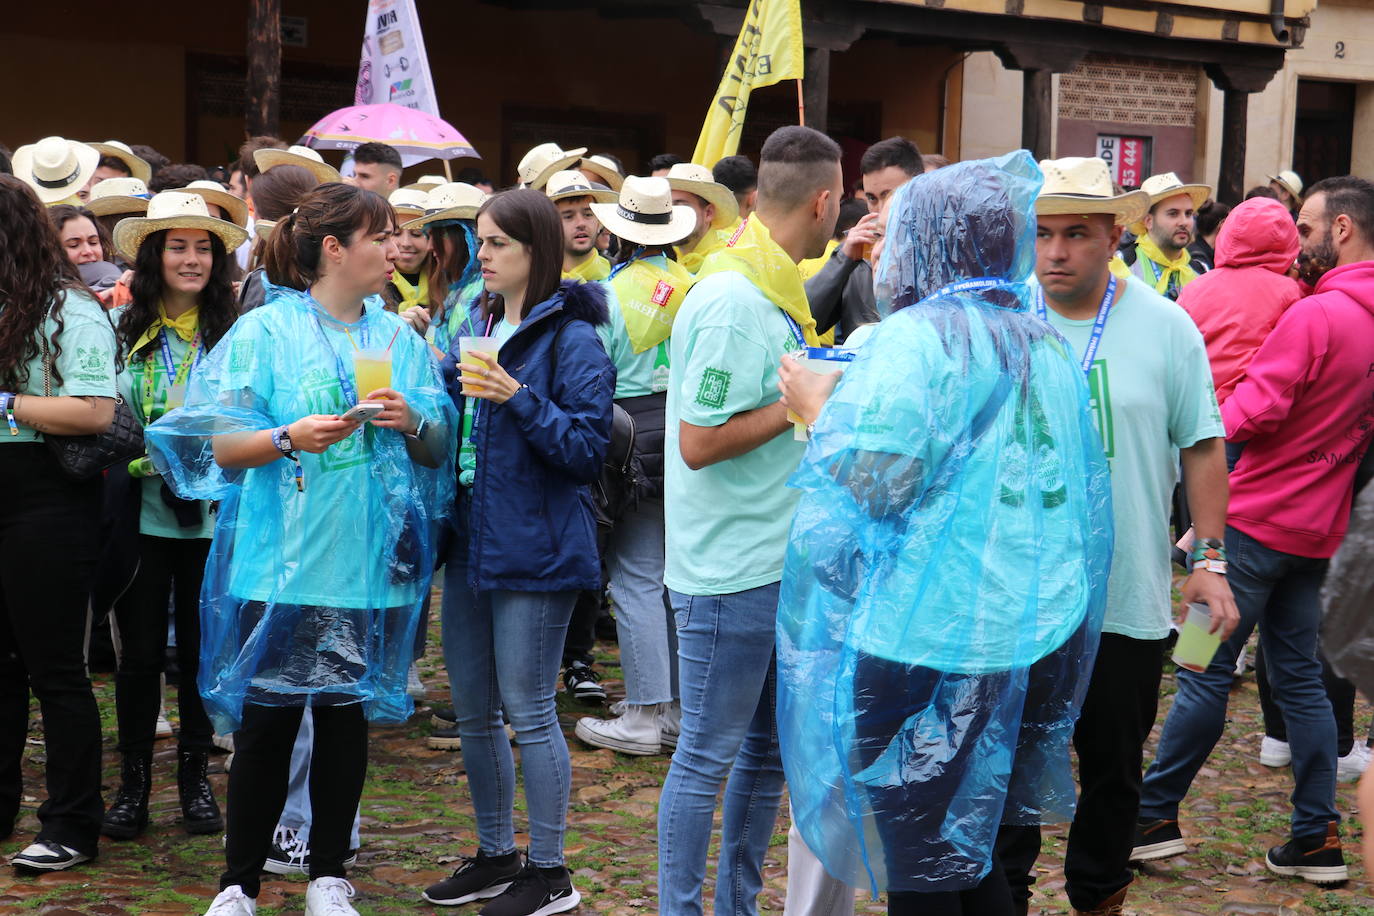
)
(769, 50)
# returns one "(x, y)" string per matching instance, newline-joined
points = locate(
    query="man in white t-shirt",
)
(1151, 394)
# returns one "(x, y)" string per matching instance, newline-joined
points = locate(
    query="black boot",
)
(199, 811)
(128, 816)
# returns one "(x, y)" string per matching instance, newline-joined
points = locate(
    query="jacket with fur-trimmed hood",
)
(530, 526)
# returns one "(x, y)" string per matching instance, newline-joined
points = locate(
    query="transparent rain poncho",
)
(310, 597)
(947, 569)
(1348, 599)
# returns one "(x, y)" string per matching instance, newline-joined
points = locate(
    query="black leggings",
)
(990, 898)
(142, 617)
(258, 782)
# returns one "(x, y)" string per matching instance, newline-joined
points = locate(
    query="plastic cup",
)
(819, 360)
(1196, 646)
(466, 346)
(371, 371)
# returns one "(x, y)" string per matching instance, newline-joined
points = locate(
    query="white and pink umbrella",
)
(415, 134)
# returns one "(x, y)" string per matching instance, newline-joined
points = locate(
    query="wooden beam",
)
(262, 98)
(1037, 127)
(817, 88)
(1234, 119)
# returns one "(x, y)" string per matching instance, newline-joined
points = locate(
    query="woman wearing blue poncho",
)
(322, 546)
(947, 569)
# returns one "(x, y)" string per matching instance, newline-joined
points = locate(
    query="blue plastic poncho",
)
(310, 598)
(947, 570)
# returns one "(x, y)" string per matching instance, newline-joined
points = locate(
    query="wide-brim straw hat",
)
(114, 196)
(645, 213)
(303, 156)
(138, 166)
(604, 169)
(697, 179)
(425, 183)
(570, 183)
(1290, 181)
(409, 203)
(1082, 185)
(1162, 187)
(454, 200)
(262, 228)
(214, 193)
(55, 168)
(174, 210)
(539, 164)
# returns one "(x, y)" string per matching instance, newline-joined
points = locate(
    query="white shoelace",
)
(288, 840)
(335, 893)
(229, 902)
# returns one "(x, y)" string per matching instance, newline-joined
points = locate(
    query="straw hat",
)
(1162, 187)
(1290, 181)
(214, 193)
(408, 203)
(697, 179)
(541, 162)
(454, 200)
(426, 183)
(262, 228)
(138, 167)
(604, 169)
(173, 210)
(118, 195)
(562, 185)
(303, 156)
(1082, 185)
(645, 213)
(55, 168)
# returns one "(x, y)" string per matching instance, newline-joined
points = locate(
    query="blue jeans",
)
(728, 674)
(296, 812)
(1279, 592)
(503, 650)
(648, 645)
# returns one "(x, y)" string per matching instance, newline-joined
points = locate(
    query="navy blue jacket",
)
(531, 527)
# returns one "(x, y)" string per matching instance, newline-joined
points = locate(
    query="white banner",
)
(394, 66)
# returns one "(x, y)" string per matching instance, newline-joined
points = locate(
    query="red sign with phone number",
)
(1126, 157)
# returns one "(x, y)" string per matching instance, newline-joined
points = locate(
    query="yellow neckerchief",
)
(185, 326)
(411, 295)
(752, 252)
(649, 298)
(812, 266)
(714, 240)
(1168, 272)
(595, 268)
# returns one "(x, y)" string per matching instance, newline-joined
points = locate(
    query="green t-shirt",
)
(467, 452)
(727, 523)
(156, 517)
(86, 363)
(1150, 391)
(636, 374)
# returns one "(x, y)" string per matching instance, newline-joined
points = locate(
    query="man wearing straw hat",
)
(1164, 233)
(58, 170)
(573, 194)
(1151, 396)
(715, 206)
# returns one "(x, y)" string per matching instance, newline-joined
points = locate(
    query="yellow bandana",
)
(185, 326)
(411, 296)
(595, 268)
(649, 298)
(1168, 272)
(753, 252)
(714, 240)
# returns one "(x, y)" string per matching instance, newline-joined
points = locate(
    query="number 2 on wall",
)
(1340, 50)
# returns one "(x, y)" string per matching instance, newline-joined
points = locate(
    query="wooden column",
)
(1234, 123)
(262, 100)
(816, 88)
(1037, 127)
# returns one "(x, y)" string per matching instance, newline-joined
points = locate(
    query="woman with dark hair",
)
(454, 278)
(183, 303)
(83, 239)
(1210, 216)
(57, 372)
(323, 429)
(537, 423)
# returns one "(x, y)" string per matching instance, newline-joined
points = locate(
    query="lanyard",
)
(964, 286)
(796, 330)
(1171, 288)
(176, 375)
(350, 391)
(1090, 353)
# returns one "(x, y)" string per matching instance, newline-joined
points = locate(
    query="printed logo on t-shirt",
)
(241, 356)
(93, 364)
(715, 384)
(323, 395)
(662, 293)
(1100, 403)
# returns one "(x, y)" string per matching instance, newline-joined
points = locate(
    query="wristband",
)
(1210, 554)
(9, 400)
(281, 438)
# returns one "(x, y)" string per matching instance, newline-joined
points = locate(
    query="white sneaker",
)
(329, 897)
(232, 901)
(1352, 766)
(1275, 753)
(669, 724)
(164, 727)
(636, 732)
(1240, 662)
(414, 686)
(223, 742)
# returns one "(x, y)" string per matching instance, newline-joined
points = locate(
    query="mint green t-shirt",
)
(727, 523)
(86, 363)
(467, 452)
(636, 374)
(1151, 394)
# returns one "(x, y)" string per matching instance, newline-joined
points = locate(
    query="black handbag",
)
(83, 457)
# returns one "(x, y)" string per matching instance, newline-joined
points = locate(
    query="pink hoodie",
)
(1237, 303)
(1305, 411)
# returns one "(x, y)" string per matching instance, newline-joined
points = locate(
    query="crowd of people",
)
(882, 484)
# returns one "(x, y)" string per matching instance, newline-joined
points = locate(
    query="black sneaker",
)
(1157, 839)
(478, 878)
(535, 892)
(1317, 859)
(443, 716)
(584, 683)
(46, 855)
(290, 855)
(446, 738)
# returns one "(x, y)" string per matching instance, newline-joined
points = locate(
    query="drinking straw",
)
(393, 338)
(350, 339)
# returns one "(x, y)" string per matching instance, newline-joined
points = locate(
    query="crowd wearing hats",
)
(876, 491)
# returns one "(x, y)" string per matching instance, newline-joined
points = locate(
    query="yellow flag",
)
(769, 49)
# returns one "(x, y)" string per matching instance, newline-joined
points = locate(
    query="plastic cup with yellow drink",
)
(371, 370)
(1196, 645)
(820, 360)
(469, 345)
